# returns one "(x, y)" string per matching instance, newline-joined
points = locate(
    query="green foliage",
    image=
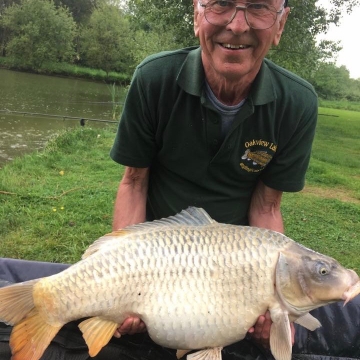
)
(164, 17)
(39, 32)
(298, 50)
(66, 69)
(117, 94)
(333, 82)
(79, 9)
(85, 72)
(150, 42)
(105, 40)
(115, 36)
(340, 104)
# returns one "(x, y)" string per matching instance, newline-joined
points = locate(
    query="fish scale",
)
(196, 284)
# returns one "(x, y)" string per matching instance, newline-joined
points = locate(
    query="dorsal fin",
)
(191, 216)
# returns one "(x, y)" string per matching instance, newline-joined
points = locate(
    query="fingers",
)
(131, 325)
(260, 332)
(292, 327)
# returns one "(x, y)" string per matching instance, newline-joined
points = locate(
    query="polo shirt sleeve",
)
(134, 143)
(286, 171)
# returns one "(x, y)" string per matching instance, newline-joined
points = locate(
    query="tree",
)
(105, 40)
(4, 33)
(163, 17)
(333, 82)
(6, 3)
(298, 50)
(39, 32)
(79, 9)
(149, 42)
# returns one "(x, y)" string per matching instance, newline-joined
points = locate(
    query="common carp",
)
(197, 284)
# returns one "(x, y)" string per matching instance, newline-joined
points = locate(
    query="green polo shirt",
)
(169, 125)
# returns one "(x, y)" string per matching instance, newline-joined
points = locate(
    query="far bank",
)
(69, 70)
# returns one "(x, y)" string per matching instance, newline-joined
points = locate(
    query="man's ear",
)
(281, 26)
(196, 18)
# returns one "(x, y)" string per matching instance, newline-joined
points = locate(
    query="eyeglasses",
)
(259, 16)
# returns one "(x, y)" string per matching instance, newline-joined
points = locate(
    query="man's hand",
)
(131, 326)
(260, 332)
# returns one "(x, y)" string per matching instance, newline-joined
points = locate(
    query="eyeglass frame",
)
(244, 8)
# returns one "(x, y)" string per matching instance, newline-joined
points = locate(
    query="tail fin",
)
(16, 301)
(31, 335)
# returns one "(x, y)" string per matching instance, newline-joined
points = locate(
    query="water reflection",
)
(31, 93)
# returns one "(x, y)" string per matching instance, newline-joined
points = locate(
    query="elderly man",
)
(216, 126)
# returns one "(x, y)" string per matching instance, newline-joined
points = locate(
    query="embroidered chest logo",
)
(257, 155)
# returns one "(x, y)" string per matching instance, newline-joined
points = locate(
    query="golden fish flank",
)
(196, 283)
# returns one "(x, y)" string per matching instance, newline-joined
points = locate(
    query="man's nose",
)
(238, 21)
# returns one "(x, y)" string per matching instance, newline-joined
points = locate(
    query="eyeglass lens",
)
(258, 15)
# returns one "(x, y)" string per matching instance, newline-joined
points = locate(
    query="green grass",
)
(54, 203)
(329, 226)
(335, 161)
(326, 215)
(340, 104)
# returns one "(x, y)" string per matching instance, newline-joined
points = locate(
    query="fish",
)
(197, 284)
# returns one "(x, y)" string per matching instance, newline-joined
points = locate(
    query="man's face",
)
(235, 50)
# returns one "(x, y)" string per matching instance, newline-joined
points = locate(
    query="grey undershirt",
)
(227, 112)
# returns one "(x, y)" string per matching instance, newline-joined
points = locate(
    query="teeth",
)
(231, 46)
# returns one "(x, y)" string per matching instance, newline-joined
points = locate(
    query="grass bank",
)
(54, 203)
(69, 70)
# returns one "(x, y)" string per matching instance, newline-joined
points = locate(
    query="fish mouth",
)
(234, 46)
(353, 291)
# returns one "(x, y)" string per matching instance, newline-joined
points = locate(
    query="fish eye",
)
(322, 269)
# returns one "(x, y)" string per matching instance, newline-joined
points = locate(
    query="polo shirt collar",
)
(263, 90)
(191, 78)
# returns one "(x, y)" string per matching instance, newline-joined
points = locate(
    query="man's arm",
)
(130, 208)
(264, 208)
(265, 212)
(130, 203)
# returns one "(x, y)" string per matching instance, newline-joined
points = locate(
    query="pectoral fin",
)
(206, 354)
(97, 332)
(280, 335)
(181, 353)
(308, 322)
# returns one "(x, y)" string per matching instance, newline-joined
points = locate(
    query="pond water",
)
(34, 107)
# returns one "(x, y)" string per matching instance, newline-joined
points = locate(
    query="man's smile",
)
(234, 47)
